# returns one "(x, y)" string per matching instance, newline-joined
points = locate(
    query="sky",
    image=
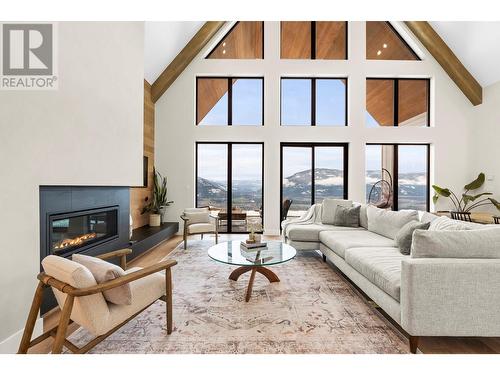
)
(297, 159)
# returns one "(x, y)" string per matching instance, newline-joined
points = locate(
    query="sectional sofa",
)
(448, 286)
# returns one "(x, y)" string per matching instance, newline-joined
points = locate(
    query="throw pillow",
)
(363, 216)
(388, 223)
(328, 208)
(104, 271)
(405, 235)
(473, 243)
(427, 217)
(347, 217)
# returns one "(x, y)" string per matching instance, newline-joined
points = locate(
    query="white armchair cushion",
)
(104, 271)
(145, 291)
(201, 228)
(91, 312)
(197, 215)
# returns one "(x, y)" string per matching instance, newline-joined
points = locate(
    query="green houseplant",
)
(158, 203)
(467, 201)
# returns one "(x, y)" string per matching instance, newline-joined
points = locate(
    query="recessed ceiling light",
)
(379, 52)
(223, 51)
(224, 44)
(385, 45)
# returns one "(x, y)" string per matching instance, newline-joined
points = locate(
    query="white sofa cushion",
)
(473, 243)
(445, 223)
(363, 216)
(328, 208)
(340, 241)
(388, 223)
(310, 232)
(380, 265)
(104, 271)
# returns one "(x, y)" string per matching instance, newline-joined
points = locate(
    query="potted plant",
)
(156, 207)
(467, 201)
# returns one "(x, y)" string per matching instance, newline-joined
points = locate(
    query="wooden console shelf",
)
(146, 237)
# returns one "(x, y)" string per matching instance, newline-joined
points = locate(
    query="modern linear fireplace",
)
(89, 220)
(75, 231)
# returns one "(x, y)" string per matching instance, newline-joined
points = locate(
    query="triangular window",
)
(384, 43)
(245, 40)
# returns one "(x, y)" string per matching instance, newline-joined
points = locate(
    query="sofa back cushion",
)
(445, 223)
(328, 208)
(363, 216)
(388, 223)
(104, 271)
(427, 217)
(472, 243)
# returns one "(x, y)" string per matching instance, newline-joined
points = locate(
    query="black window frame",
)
(395, 177)
(229, 99)
(313, 100)
(312, 146)
(396, 97)
(229, 197)
(229, 32)
(313, 43)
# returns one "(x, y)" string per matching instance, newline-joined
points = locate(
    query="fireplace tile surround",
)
(90, 220)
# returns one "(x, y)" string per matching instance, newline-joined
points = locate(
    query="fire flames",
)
(68, 242)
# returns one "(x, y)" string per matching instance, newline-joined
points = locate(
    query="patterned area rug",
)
(311, 310)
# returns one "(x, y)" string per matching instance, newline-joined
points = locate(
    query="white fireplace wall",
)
(88, 132)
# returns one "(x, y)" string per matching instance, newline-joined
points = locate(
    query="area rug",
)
(311, 310)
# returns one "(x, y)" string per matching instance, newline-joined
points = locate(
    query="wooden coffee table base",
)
(270, 275)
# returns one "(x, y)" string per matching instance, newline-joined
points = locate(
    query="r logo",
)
(27, 49)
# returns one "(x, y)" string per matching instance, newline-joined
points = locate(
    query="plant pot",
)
(154, 220)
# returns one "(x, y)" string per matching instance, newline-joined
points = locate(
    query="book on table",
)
(254, 245)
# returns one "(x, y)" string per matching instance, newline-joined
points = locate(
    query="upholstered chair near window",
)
(199, 221)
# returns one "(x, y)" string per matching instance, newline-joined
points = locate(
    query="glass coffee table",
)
(255, 260)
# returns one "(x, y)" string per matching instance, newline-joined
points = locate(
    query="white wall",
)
(176, 132)
(485, 140)
(88, 132)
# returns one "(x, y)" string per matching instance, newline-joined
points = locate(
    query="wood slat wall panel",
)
(139, 194)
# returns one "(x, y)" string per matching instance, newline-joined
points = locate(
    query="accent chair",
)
(200, 221)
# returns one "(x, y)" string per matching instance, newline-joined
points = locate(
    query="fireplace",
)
(90, 220)
(75, 231)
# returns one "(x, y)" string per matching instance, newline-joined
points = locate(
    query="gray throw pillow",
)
(405, 235)
(347, 216)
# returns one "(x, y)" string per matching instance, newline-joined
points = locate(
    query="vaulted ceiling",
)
(474, 43)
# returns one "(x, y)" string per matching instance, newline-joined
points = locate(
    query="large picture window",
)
(229, 101)
(314, 40)
(311, 172)
(313, 101)
(397, 102)
(229, 179)
(397, 176)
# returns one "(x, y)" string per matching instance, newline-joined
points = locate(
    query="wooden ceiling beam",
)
(447, 59)
(184, 58)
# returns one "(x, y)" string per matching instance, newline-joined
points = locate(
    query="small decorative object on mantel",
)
(467, 202)
(156, 207)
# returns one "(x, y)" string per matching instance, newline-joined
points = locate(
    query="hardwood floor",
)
(427, 345)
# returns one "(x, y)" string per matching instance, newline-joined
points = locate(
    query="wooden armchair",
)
(82, 301)
(199, 221)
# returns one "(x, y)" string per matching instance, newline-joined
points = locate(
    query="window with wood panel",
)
(245, 40)
(383, 42)
(325, 40)
(229, 101)
(397, 102)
